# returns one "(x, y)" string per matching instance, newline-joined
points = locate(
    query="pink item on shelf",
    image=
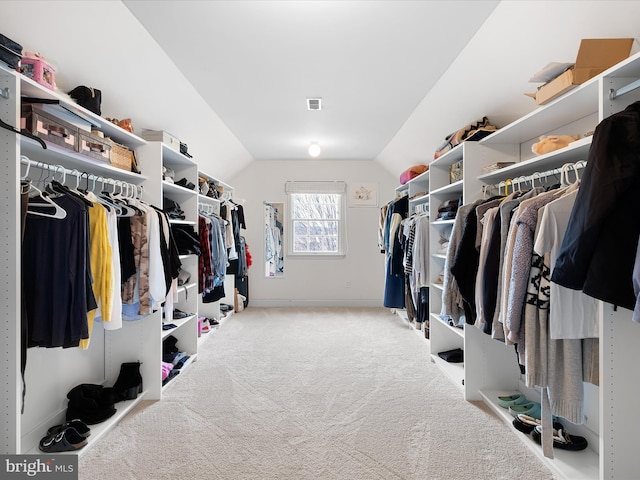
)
(166, 368)
(36, 68)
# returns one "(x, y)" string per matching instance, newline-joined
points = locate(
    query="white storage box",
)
(161, 136)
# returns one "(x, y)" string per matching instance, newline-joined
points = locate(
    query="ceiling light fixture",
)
(314, 150)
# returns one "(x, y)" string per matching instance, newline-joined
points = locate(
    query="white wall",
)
(102, 45)
(322, 281)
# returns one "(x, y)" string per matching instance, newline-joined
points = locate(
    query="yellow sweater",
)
(101, 266)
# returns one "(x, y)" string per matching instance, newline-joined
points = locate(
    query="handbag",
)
(87, 97)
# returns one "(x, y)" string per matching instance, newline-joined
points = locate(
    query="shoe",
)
(533, 409)
(90, 403)
(129, 382)
(515, 399)
(526, 423)
(213, 322)
(206, 327)
(79, 426)
(178, 314)
(67, 440)
(561, 439)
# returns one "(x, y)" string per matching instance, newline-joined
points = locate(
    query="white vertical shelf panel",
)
(10, 399)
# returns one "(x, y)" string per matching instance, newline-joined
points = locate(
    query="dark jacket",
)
(598, 250)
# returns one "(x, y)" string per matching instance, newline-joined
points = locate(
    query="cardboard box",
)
(595, 55)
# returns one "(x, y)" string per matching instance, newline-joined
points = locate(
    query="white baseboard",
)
(286, 302)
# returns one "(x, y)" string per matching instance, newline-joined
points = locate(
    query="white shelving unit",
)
(151, 158)
(51, 373)
(490, 367)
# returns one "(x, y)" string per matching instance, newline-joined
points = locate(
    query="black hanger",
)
(23, 132)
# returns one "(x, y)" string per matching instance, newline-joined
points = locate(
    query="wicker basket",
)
(122, 157)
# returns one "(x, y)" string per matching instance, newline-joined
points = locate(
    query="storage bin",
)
(93, 146)
(49, 128)
(122, 157)
(34, 67)
(162, 136)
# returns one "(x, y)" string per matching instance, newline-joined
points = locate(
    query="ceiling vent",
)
(314, 104)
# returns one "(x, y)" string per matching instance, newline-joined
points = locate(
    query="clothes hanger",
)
(58, 212)
(24, 133)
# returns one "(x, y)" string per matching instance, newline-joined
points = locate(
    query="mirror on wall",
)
(273, 239)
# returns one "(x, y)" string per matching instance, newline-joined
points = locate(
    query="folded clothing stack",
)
(448, 209)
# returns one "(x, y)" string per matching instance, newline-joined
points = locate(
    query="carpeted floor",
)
(322, 394)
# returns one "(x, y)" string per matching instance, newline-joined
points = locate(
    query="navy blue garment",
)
(394, 278)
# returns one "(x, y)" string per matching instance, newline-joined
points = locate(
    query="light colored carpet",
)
(320, 394)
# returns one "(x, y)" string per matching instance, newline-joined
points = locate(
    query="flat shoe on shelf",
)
(79, 426)
(515, 399)
(526, 423)
(67, 440)
(533, 409)
(561, 439)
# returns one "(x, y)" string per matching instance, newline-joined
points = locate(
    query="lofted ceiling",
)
(256, 62)
(231, 78)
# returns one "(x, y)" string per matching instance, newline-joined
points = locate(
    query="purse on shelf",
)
(87, 97)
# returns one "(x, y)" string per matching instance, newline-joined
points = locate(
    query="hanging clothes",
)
(598, 251)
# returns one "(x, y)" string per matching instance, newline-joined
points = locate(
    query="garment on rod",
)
(598, 251)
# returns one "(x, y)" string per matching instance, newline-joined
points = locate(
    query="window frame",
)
(317, 188)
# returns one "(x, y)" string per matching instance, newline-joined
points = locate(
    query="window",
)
(316, 218)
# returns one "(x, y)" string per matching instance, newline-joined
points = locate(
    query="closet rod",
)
(24, 160)
(538, 175)
(622, 90)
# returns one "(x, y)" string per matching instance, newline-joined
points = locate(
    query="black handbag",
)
(87, 97)
(10, 52)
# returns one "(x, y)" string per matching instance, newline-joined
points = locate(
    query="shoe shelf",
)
(455, 371)
(100, 429)
(455, 330)
(583, 464)
(176, 189)
(192, 358)
(178, 323)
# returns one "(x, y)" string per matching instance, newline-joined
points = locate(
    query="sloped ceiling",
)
(230, 78)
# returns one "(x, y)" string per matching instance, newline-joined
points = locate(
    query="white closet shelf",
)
(182, 222)
(205, 199)
(444, 222)
(455, 371)
(578, 103)
(226, 186)
(567, 464)
(186, 287)
(29, 88)
(457, 331)
(177, 189)
(59, 155)
(420, 199)
(452, 188)
(572, 153)
(452, 156)
(178, 323)
(171, 157)
(99, 430)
